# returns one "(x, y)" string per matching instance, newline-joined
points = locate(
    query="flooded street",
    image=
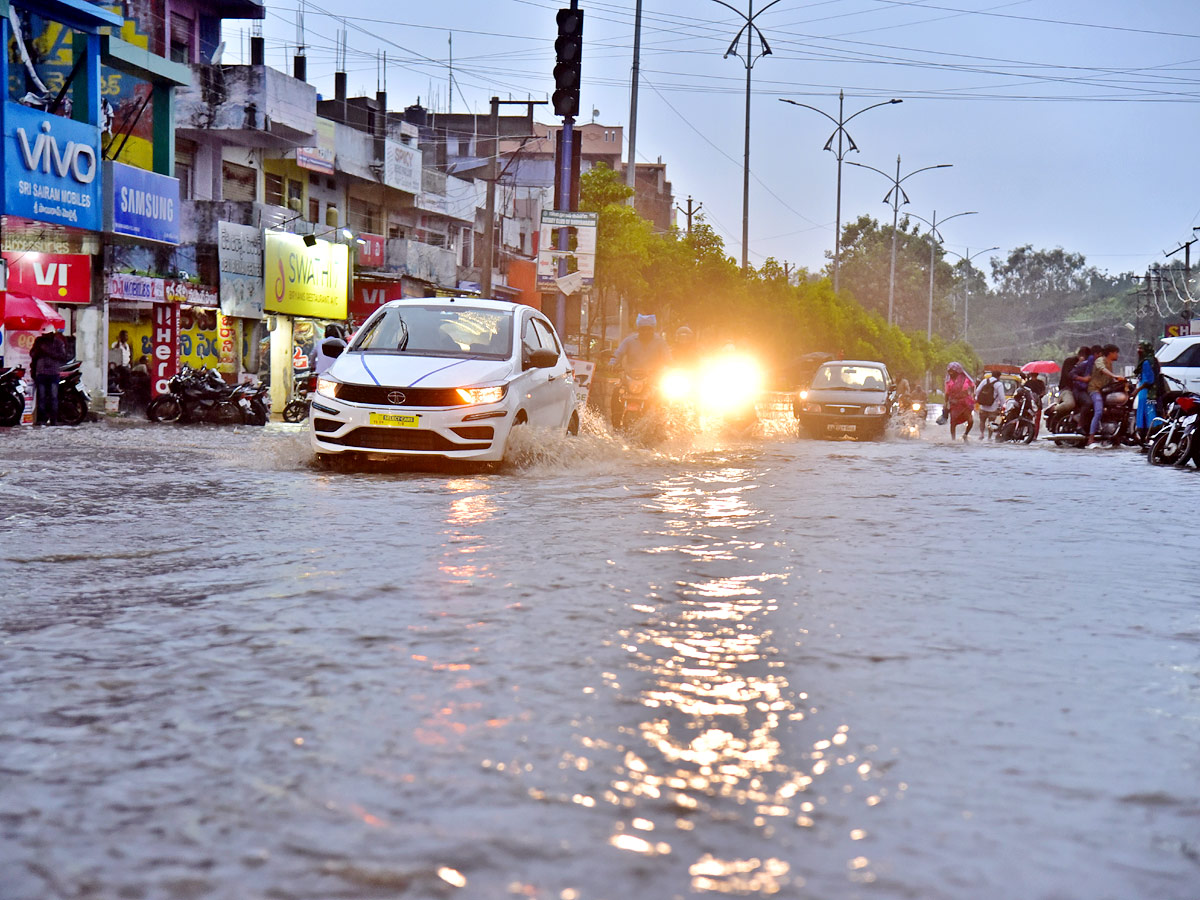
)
(907, 669)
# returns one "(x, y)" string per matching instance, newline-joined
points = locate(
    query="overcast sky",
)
(1068, 123)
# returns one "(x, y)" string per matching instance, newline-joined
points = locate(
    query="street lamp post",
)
(967, 283)
(935, 238)
(895, 194)
(840, 133)
(750, 29)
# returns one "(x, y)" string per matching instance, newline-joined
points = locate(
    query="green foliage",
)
(690, 279)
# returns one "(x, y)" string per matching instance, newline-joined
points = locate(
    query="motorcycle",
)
(73, 401)
(633, 400)
(719, 395)
(910, 413)
(1175, 441)
(12, 396)
(194, 396)
(1019, 423)
(303, 384)
(251, 401)
(1116, 420)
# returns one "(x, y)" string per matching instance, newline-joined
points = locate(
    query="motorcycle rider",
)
(990, 410)
(1066, 384)
(1101, 377)
(644, 351)
(685, 350)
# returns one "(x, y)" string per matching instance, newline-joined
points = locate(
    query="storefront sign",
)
(141, 204)
(370, 250)
(164, 361)
(368, 296)
(136, 287)
(240, 257)
(53, 277)
(303, 280)
(402, 167)
(1180, 329)
(52, 168)
(191, 294)
(319, 158)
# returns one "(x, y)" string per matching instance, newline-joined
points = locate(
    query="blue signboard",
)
(51, 168)
(141, 204)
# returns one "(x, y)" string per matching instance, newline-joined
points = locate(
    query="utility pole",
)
(750, 29)
(689, 212)
(489, 224)
(841, 121)
(631, 166)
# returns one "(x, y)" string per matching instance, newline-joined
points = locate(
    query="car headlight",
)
(804, 395)
(874, 410)
(479, 395)
(327, 387)
(916, 407)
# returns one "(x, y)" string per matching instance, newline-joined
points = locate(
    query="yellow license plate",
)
(399, 420)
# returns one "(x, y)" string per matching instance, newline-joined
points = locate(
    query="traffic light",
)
(568, 53)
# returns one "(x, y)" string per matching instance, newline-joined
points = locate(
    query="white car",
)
(446, 377)
(1179, 357)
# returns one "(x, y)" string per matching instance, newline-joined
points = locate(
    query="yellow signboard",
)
(305, 281)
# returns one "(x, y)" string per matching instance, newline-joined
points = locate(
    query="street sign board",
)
(1177, 329)
(581, 259)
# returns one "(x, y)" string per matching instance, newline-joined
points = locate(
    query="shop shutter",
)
(238, 183)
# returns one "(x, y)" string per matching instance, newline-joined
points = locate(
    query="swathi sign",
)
(305, 281)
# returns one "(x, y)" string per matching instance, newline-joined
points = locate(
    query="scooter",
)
(251, 402)
(303, 384)
(73, 401)
(12, 396)
(1176, 441)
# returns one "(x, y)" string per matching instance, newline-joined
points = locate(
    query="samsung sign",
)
(51, 168)
(141, 204)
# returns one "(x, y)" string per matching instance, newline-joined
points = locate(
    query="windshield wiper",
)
(404, 337)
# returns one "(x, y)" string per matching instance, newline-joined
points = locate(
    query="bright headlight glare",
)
(916, 407)
(479, 395)
(675, 386)
(730, 382)
(804, 395)
(327, 387)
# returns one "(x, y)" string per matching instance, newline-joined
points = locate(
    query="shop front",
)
(305, 288)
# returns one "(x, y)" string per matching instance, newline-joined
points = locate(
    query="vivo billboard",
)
(51, 168)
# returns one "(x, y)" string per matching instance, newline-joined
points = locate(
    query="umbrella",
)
(25, 313)
(1041, 367)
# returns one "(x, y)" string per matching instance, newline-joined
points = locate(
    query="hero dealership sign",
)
(52, 277)
(52, 168)
(164, 340)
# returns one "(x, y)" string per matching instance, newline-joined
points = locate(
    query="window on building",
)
(238, 183)
(272, 189)
(364, 216)
(314, 209)
(185, 166)
(181, 38)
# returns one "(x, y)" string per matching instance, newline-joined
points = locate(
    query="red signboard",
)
(52, 277)
(164, 338)
(370, 250)
(370, 295)
(1182, 329)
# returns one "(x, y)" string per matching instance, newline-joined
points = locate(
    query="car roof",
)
(1182, 339)
(474, 302)
(854, 362)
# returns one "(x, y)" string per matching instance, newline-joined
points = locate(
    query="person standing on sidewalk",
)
(46, 357)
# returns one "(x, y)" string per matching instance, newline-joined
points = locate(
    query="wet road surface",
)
(910, 669)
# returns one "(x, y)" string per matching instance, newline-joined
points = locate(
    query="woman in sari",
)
(960, 398)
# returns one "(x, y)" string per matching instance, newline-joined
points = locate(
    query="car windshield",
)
(849, 378)
(443, 330)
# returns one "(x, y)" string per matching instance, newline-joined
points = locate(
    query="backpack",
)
(987, 392)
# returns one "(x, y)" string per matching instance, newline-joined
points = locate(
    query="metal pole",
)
(631, 167)
(837, 225)
(564, 235)
(932, 245)
(967, 296)
(489, 224)
(746, 157)
(895, 222)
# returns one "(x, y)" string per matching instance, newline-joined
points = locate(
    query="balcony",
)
(198, 222)
(254, 106)
(422, 261)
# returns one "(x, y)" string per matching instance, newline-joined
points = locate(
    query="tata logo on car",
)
(46, 156)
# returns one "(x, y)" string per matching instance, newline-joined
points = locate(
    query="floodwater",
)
(907, 669)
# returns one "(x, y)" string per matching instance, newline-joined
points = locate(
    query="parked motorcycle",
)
(251, 400)
(12, 396)
(196, 396)
(303, 384)
(73, 401)
(1176, 441)
(1020, 418)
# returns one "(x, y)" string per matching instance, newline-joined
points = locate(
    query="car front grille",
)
(401, 439)
(377, 395)
(841, 409)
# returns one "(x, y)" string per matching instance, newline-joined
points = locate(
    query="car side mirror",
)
(541, 359)
(333, 346)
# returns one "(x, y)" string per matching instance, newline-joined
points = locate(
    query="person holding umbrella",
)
(46, 358)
